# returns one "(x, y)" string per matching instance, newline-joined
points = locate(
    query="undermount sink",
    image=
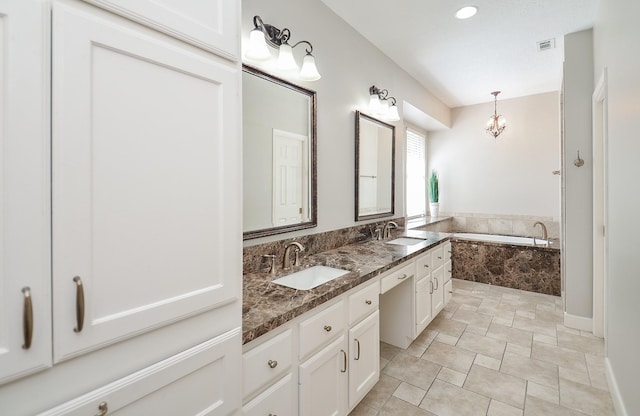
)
(406, 241)
(309, 278)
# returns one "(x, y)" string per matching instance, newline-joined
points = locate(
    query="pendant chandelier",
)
(496, 123)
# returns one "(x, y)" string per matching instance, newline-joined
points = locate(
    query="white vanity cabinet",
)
(25, 264)
(430, 285)
(448, 269)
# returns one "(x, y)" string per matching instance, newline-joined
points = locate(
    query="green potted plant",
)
(434, 196)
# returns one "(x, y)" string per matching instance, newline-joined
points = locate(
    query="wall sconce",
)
(381, 105)
(265, 34)
(496, 123)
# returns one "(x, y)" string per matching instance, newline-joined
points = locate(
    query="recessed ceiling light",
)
(466, 12)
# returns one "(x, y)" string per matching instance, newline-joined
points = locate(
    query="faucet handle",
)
(272, 262)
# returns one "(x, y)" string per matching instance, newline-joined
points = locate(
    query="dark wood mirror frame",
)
(313, 209)
(358, 140)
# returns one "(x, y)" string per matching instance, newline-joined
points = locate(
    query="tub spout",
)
(544, 233)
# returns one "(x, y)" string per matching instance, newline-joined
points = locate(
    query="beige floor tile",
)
(398, 407)
(531, 369)
(409, 393)
(468, 307)
(500, 386)
(447, 339)
(502, 321)
(464, 299)
(472, 318)
(381, 392)
(597, 375)
(545, 339)
(526, 314)
(476, 330)
(549, 394)
(452, 376)
(594, 346)
(449, 356)
(445, 399)
(546, 306)
(579, 376)
(518, 304)
(589, 400)
(549, 316)
(363, 410)
(482, 345)
(560, 356)
(447, 326)
(426, 337)
(511, 335)
(562, 328)
(488, 362)
(538, 327)
(412, 370)
(518, 349)
(388, 351)
(416, 350)
(539, 407)
(497, 408)
(383, 363)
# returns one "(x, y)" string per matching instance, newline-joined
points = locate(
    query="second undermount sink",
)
(406, 241)
(309, 278)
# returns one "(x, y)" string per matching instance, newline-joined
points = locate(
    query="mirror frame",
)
(313, 190)
(359, 217)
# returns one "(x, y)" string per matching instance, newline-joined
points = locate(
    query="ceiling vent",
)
(545, 45)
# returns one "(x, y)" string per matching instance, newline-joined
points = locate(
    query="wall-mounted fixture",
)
(381, 105)
(579, 162)
(496, 123)
(265, 34)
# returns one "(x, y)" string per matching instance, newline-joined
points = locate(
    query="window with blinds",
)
(416, 174)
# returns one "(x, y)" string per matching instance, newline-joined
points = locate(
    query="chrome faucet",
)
(297, 248)
(544, 233)
(376, 232)
(386, 231)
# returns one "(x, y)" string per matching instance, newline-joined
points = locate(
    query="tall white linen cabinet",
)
(120, 221)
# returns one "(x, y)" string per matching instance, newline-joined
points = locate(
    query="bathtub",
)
(506, 261)
(505, 239)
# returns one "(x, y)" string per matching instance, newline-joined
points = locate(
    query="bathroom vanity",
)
(317, 351)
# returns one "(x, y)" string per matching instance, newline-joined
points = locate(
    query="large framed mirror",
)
(375, 168)
(279, 155)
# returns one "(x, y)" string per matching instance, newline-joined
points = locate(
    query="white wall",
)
(349, 65)
(578, 188)
(615, 44)
(510, 175)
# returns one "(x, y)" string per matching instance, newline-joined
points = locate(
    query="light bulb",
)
(257, 49)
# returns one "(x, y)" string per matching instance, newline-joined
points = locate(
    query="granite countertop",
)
(267, 305)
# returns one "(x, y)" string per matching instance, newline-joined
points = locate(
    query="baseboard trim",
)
(578, 322)
(618, 404)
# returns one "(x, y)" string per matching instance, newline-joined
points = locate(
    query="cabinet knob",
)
(426, 266)
(272, 363)
(404, 276)
(102, 409)
(440, 257)
(368, 302)
(327, 328)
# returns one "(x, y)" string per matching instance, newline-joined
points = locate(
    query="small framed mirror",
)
(375, 168)
(279, 155)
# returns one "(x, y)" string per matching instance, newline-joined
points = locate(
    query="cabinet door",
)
(25, 266)
(437, 298)
(364, 356)
(212, 24)
(280, 399)
(424, 291)
(324, 381)
(146, 161)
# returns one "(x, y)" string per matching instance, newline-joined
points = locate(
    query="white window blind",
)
(416, 178)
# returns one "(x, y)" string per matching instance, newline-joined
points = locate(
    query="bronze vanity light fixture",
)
(381, 105)
(265, 34)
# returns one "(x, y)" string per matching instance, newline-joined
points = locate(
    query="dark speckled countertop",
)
(268, 305)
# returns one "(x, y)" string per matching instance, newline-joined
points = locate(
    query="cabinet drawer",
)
(363, 302)
(448, 291)
(396, 277)
(437, 256)
(423, 265)
(280, 399)
(321, 328)
(200, 381)
(266, 362)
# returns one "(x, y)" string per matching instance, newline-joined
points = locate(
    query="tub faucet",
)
(386, 231)
(297, 248)
(544, 233)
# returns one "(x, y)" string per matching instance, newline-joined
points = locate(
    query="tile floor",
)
(493, 351)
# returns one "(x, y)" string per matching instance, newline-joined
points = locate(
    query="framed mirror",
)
(375, 168)
(279, 155)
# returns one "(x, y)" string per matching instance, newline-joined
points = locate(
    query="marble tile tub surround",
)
(252, 260)
(535, 269)
(266, 305)
(517, 225)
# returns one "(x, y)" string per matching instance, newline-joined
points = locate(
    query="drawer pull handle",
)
(344, 362)
(440, 257)
(328, 328)
(451, 291)
(437, 284)
(404, 276)
(27, 318)
(431, 287)
(80, 307)
(426, 266)
(357, 357)
(103, 409)
(272, 363)
(368, 302)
